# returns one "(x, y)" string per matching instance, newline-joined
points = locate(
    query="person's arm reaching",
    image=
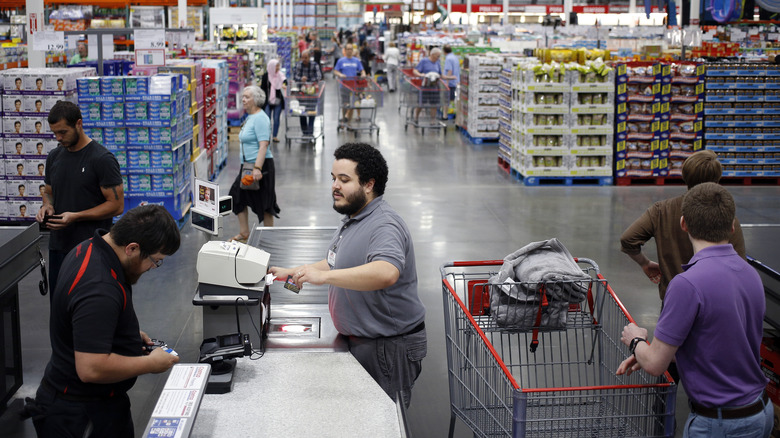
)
(47, 208)
(636, 235)
(653, 358)
(368, 277)
(112, 368)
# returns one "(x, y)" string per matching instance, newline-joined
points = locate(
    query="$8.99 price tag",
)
(149, 38)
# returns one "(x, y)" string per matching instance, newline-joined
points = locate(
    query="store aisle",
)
(458, 206)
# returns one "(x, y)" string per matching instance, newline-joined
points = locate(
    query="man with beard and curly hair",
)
(371, 273)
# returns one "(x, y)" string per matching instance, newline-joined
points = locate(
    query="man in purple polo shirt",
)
(711, 324)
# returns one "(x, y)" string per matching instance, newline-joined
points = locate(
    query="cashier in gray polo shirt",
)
(371, 273)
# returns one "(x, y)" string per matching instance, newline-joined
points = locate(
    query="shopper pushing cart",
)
(360, 98)
(538, 357)
(431, 93)
(347, 67)
(304, 101)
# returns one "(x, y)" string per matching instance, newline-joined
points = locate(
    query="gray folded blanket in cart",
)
(515, 289)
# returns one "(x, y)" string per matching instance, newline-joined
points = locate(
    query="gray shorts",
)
(394, 362)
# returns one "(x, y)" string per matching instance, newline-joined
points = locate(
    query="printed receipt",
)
(187, 377)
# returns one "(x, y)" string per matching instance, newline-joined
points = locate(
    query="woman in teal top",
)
(254, 137)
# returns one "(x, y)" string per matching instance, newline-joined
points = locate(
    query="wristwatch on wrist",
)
(634, 343)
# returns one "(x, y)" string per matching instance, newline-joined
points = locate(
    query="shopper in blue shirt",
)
(348, 67)
(254, 137)
(430, 97)
(451, 70)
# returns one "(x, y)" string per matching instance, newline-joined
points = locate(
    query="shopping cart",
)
(425, 102)
(404, 85)
(304, 100)
(568, 386)
(359, 99)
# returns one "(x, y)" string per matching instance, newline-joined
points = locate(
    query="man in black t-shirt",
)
(83, 186)
(97, 345)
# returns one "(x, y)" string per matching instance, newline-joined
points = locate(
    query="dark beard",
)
(354, 204)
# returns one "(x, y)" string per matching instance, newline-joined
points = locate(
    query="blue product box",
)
(138, 159)
(112, 85)
(139, 183)
(89, 86)
(161, 110)
(121, 158)
(161, 159)
(95, 134)
(90, 111)
(113, 111)
(160, 135)
(138, 135)
(115, 136)
(136, 85)
(137, 110)
(162, 182)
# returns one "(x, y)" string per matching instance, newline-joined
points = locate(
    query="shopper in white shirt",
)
(392, 60)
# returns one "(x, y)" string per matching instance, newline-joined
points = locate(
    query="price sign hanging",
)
(149, 38)
(49, 41)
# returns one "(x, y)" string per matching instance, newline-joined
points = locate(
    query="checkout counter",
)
(19, 255)
(306, 383)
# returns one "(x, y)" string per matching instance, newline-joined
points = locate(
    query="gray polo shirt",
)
(376, 233)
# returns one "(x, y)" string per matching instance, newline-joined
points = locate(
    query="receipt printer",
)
(231, 268)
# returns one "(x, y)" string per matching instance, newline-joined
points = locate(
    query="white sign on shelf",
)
(49, 41)
(72, 42)
(150, 57)
(149, 38)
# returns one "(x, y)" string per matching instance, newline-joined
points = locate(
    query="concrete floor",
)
(458, 206)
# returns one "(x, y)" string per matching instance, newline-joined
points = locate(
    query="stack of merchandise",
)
(642, 148)
(216, 80)
(542, 144)
(742, 118)
(480, 97)
(27, 98)
(263, 52)
(193, 72)
(12, 57)
(592, 119)
(686, 112)
(286, 49)
(508, 113)
(566, 129)
(146, 123)
(238, 67)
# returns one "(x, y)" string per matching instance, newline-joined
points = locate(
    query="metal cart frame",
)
(568, 387)
(419, 97)
(361, 98)
(298, 105)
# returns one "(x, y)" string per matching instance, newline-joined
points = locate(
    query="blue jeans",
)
(756, 426)
(277, 111)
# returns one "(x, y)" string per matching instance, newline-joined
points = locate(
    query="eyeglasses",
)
(157, 263)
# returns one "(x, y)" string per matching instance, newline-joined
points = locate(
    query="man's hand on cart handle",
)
(632, 331)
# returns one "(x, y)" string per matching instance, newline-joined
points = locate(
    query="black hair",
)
(370, 164)
(17, 123)
(38, 100)
(64, 110)
(151, 227)
(17, 100)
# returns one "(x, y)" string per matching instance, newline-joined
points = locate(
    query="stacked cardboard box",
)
(27, 97)
(146, 123)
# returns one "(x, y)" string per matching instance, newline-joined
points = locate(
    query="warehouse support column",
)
(182, 13)
(468, 16)
(35, 23)
(506, 13)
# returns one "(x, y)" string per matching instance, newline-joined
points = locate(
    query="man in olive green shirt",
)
(662, 222)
